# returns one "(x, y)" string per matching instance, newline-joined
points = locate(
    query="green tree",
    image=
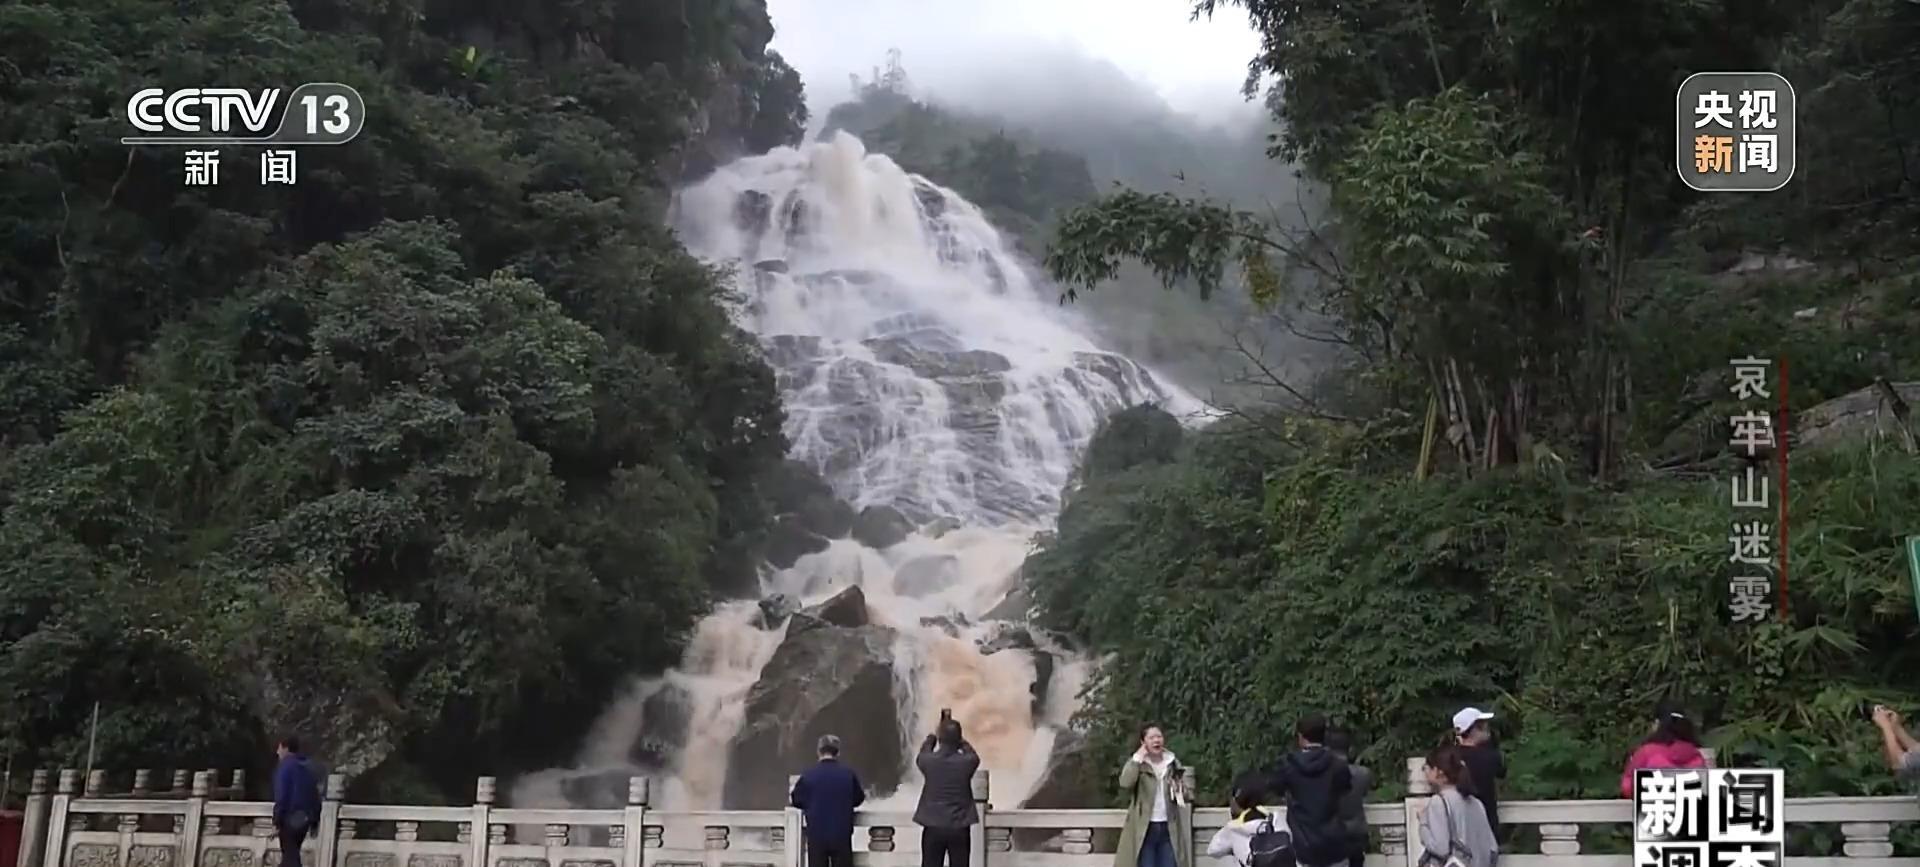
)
(421, 457)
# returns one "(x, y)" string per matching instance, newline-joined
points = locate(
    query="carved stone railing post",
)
(181, 780)
(1076, 841)
(717, 843)
(1417, 792)
(239, 784)
(1393, 842)
(328, 846)
(556, 836)
(1558, 839)
(96, 784)
(982, 788)
(58, 818)
(634, 823)
(33, 821)
(1867, 839)
(793, 833)
(476, 831)
(407, 832)
(193, 825)
(142, 782)
(879, 838)
(1196, 844)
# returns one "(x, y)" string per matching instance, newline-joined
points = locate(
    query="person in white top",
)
(1245, 819)
(1156, 784)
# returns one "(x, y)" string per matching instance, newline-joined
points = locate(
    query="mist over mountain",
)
(1048, 127)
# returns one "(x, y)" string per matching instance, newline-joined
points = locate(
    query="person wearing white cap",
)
(1485, 765)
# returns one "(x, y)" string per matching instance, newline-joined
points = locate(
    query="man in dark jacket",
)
(1313, 780)
(1485, 766)
(946, 814)
(1353, 805)
(828, 793)
(296, 800)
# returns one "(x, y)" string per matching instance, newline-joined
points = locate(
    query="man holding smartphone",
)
(1902, 751)
(946, 813)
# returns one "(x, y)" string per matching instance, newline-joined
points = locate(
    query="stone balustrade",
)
(197, 823)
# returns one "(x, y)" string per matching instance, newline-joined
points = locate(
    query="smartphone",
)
(946, 714)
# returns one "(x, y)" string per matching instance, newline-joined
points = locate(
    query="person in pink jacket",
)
(1672, 745)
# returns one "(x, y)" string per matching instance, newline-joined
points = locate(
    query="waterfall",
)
(924, 370)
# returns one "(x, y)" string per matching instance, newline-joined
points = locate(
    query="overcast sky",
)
(949, 47)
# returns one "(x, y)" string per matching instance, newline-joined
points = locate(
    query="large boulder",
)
(880, 527)
(846, 609)
(824, 679)
(1858, 416)
(665, 717)
(828, 517)
(774, 611)
(789, 540)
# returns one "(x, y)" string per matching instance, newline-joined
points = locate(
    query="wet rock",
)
(1042, 681)
(665, 716)
(937, 363)
(1014, 607)
(826, 680)
(1007, 638)
(849, 276)
(829, 517)
(774, 610)
(933, 203)
(926, 576)
(789, 350)
(771, 266)
(1065, 783)
(914, 325)
(881, 527)
(1857, 417)
(798, 220)
(794, 484)
(845, 609)
(789, 540)
(949, 624)
(940, 527)
(752, 214)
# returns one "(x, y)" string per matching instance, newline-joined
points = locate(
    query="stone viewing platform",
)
(196, 822)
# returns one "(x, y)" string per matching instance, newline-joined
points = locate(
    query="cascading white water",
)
(922, 369)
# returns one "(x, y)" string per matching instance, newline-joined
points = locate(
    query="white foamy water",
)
(924, 368)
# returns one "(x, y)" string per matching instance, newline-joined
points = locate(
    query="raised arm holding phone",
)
(1902, 751)
(946, 813)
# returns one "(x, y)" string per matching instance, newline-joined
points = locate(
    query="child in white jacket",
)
(1247, 816)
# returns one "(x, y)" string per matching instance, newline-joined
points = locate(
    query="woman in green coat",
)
(1157, 833)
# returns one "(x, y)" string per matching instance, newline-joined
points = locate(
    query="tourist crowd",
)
(1323, 790)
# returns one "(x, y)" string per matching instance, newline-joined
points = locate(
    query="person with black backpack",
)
(1314, 780)
(1251, 835)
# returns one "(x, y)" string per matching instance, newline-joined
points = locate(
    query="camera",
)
(946, 714)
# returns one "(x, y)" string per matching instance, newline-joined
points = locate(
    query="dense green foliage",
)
(1506, 250)
(418, 457)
